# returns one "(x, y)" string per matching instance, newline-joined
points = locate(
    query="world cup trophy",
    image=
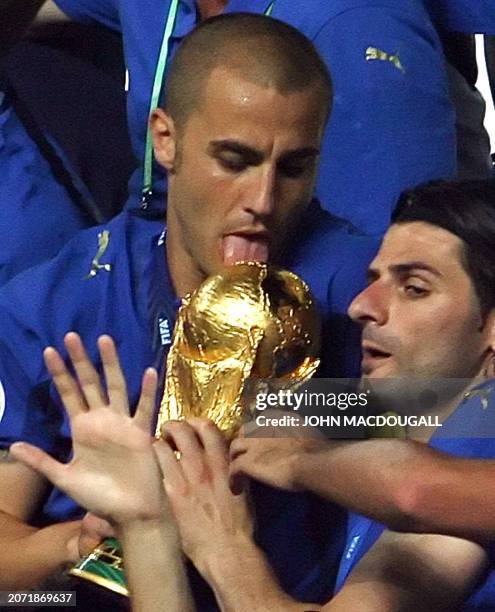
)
(251, 321)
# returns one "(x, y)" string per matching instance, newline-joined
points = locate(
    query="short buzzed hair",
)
(261, 49)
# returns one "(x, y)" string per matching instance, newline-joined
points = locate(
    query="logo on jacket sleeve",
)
(96, 266)
(373, 53)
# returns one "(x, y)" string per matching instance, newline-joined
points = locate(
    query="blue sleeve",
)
(392, 124)
(36, 309)
(468, 16)
(27, 413)
(103, 12)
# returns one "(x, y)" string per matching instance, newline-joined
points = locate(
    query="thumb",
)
(93, 530)
(38, 460)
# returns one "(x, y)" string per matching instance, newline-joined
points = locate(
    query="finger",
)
(67, 387)
(146, 406)
(238, 447)
(237, 467)
(181, 436)
(241, 471)
(86, 373)
(87, 542)
(172, 472)
(38, 460)
(214, 444)
(93, 530)
(238, 482)
(250, 430)
(114, 378)
(95, 527)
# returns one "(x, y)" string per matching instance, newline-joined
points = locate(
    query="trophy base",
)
(104, 567)
(107, 583)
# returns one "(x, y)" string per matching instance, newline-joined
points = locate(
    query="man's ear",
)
(164, 138)
(490, 328)
(489, 331)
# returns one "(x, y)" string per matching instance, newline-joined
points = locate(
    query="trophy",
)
(250, 321)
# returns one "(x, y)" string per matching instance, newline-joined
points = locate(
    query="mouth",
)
(373, 355)
(245, 246)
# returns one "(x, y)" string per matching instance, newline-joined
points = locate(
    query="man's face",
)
(420, 315)
(243, 172)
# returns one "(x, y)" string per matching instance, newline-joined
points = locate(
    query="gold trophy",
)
(250, 321)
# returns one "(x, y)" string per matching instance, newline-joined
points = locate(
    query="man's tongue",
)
(244, 248)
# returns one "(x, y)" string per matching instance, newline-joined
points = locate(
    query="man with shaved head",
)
(393, 124)
(241, 156)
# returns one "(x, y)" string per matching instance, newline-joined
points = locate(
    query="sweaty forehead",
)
(420, 242)
(234, 91)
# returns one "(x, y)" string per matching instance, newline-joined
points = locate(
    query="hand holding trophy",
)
(250, 321)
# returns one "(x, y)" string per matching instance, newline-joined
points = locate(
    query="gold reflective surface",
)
(251, 320)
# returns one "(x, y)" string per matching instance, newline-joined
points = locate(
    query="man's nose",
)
(371, 305)
(260, 200)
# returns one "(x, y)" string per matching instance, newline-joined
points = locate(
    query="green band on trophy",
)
(104, 566)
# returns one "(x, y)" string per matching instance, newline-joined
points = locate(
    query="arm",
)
(114, 472)
(412, 573)
(395, 117)
(215, 525)
(404, 484)
(29, 555)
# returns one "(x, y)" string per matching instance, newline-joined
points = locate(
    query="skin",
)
(241, 173)
(128, 491)
(224, 203)
(420, 309)
(420, 318)
(215, 525)
(210, 8)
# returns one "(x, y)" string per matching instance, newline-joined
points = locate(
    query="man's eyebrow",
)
(402, 269)
(255, 156)
(300, 154)
(410, 266)
(249, 154)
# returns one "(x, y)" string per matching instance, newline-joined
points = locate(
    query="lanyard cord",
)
(155, 98)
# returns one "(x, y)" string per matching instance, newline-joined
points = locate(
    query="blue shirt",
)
(392, 124)
(131, 298)
(469, 432)
(464, 15)
(37, 214)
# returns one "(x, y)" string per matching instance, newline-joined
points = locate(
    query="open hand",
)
(113, 472)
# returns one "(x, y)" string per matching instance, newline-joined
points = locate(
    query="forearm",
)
(412, 573)
(29, 556)
(404, 484)
(242, 580)
(364, 596)
(368, 477)
(154, 567)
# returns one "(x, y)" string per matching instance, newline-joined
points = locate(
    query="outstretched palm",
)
(113, 472)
